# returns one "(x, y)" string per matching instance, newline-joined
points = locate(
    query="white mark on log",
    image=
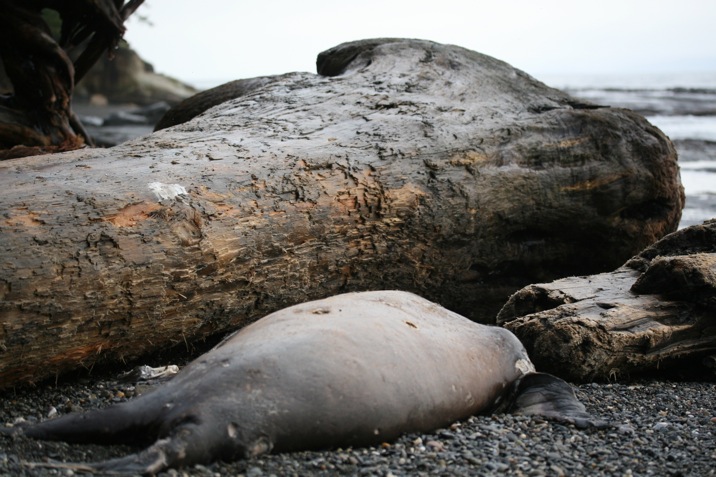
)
(166, 191)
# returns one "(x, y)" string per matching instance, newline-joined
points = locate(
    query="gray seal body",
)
(350, 370)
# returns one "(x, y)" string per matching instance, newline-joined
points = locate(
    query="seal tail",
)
(192, 442)
(147, 462)
(126, 423)
(549, 396)
(150, 461)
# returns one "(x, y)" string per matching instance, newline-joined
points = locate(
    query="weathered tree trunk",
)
(420, 167)
(657, 313)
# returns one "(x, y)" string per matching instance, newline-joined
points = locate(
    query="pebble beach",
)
(657, 428)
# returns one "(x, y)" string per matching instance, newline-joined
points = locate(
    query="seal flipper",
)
(545, 395)
(133, 422)
(150, 461)
(191, 442)
(147, 462)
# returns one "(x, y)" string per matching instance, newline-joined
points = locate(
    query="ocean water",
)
(686, 126)
(683, 106)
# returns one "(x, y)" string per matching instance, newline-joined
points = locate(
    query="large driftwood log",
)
(415, 166)
(657, 313)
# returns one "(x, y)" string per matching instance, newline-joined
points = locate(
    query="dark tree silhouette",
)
(36, 118)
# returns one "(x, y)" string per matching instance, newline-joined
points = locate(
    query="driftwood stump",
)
(407, 165)
(655, 314)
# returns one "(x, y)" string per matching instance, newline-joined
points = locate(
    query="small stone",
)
(626, 429)
(557, 470)
(435, 445)
(254, 472)
(661, 426)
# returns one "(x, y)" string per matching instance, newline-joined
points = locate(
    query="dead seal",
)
(351, 370)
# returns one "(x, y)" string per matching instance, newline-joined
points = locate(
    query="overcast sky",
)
(220, 40)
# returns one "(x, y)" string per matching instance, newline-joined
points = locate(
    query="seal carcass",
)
(350, 370)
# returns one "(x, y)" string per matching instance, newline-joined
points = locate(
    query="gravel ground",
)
(659, 428)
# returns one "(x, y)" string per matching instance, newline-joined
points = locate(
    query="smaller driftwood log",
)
(657, 313)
